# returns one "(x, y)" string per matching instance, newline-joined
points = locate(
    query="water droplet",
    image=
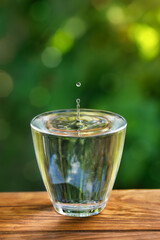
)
(77, 100)
(78, 84)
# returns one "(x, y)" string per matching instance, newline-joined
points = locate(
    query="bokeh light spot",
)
(147, 39)
(158, 15)
(6, 84)
(39, 96)
(115, 15)
(75, 27)
(4, 129)
(51, 57)
(62, 40)
(40, 10)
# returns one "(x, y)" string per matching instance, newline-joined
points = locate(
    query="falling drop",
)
(78, 109)
(78, 84)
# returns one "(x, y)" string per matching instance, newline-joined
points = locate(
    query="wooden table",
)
(129, 214)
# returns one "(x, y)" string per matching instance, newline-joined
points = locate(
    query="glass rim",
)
(74, 110)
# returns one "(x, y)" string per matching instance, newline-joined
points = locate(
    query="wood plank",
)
(24, 199)
(121, 235)
(125, 210)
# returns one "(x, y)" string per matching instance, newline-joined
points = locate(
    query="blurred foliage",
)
(111, 47)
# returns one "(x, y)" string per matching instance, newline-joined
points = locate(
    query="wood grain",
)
(121, 235)
(129, 214)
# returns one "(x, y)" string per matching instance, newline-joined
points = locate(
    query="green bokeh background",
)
(111, 47)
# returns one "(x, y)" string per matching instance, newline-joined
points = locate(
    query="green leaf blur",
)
(111, 47)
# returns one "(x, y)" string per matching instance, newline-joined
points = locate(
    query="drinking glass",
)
(78, 160)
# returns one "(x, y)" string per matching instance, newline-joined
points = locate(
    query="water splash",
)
(78, 109)
(78, 84)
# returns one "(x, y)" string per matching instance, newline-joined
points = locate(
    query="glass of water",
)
(78, 159)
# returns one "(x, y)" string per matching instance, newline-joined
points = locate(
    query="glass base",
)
(79, 210)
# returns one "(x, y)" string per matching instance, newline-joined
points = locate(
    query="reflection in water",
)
(82, 169)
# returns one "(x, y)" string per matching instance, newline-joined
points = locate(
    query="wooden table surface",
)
(129, 214)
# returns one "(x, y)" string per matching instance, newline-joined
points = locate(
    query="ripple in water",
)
(66, 123)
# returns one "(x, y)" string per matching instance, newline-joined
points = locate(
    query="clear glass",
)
(78, 161)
